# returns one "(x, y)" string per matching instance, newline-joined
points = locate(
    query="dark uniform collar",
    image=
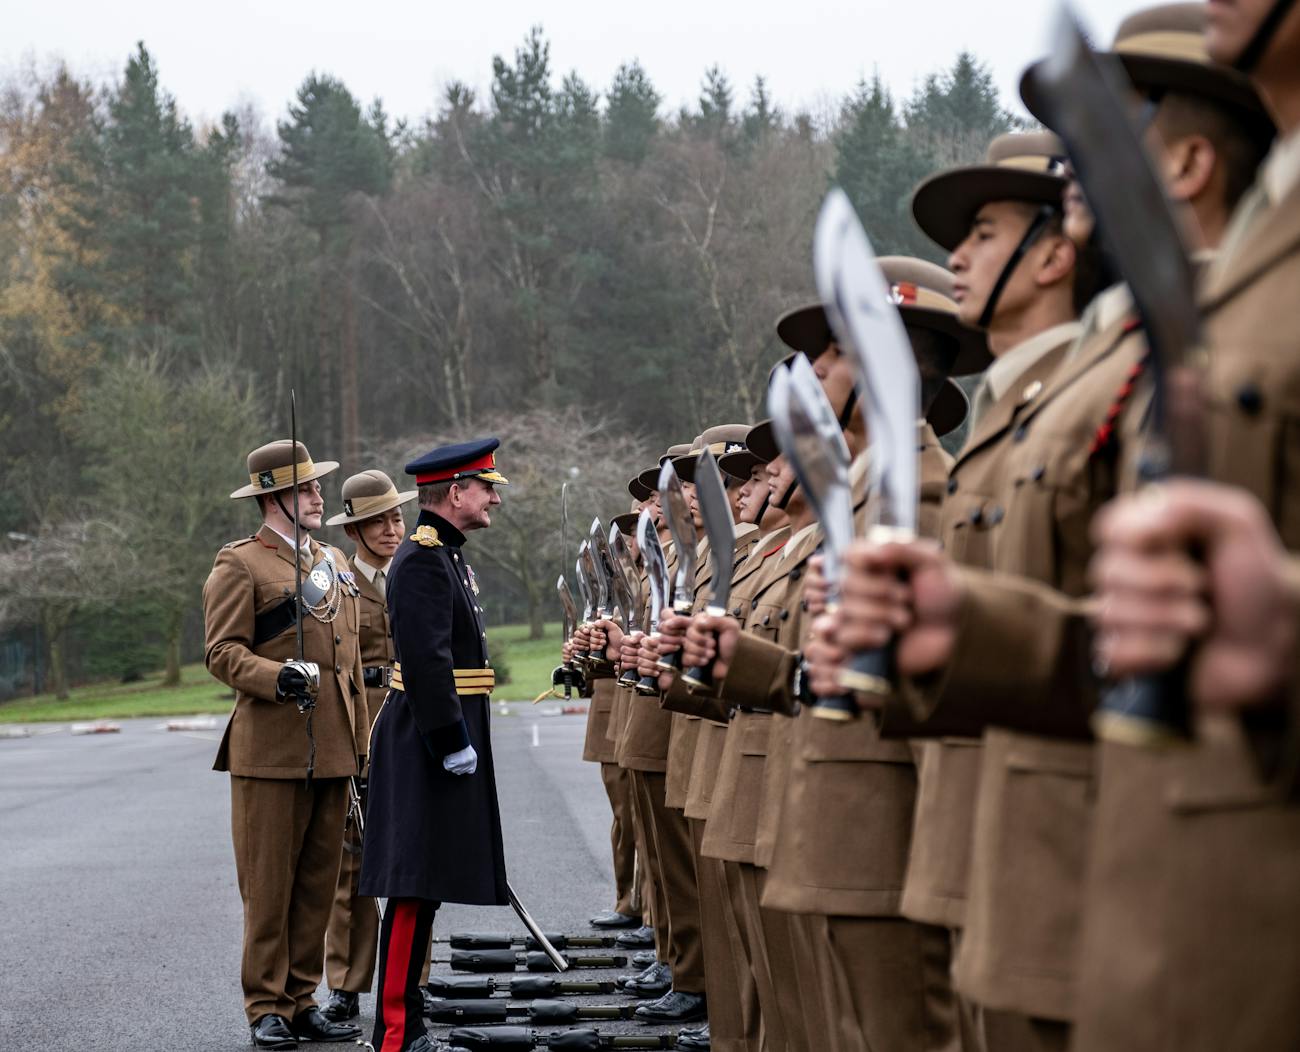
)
(447, 533)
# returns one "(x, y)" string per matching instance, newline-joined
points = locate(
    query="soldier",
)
(372, 520)
(1018, 954)
(289, 770)
(433, 828)
(598, 747)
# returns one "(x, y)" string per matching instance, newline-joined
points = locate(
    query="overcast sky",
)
(216, 55)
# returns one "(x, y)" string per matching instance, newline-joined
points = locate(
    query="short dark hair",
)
(432, 493)
(1240, 140)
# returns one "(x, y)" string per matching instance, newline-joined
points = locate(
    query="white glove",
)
(463, 762)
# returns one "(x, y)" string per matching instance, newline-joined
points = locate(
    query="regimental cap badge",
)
(903, 294)
(266, 479)
(347, 506)
(427, 537)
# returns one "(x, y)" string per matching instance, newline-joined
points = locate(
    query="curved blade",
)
(599, 552)
(587, 581)
(682, 527)
(617, 578)
(867, 323)
(647, 538)
(1133, 213)
(625, 565)
(719, 525)
(809, 434)
(570, 611)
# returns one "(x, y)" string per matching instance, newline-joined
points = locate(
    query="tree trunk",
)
(536, 624)
(172, 673)
(349, 379)
(55, 627)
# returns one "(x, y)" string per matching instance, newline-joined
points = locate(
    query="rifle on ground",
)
(523, 1039)
(496, 940)
(510, 960)
(544, 1013)
(521, 989)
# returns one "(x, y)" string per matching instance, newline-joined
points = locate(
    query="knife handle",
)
(673, 662)
(868, 672)
(1146, 710)
(699, 679)
(628, 678)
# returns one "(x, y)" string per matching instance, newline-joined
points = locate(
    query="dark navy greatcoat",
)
(431, 834)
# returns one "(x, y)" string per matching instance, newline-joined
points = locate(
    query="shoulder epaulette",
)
(427, 537)
(242, 541)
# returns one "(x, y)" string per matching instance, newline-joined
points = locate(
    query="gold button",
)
(1031, 391)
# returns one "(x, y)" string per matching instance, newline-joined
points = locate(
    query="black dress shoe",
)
(342, 1006)
(642, 938)
(271, 1031)
(694, 1038)
(312, 1025)
(643, 958)
(622, 980)
(614, 919)
(423, 1043)
(655, 981)
(674, 1007)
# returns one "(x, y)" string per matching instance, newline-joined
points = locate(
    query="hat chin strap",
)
(279, 500)
(1035, 231)
(1258, 44)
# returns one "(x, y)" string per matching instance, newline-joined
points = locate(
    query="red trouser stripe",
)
(401, 935)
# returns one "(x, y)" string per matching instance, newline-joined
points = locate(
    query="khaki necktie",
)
(381, 584)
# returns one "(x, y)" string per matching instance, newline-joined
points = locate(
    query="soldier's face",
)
(693, 502)
(383, 534)
(311, 505)
(977, 262)
(1231, 24)
(752, 494)
(834, 369)
(474, 504)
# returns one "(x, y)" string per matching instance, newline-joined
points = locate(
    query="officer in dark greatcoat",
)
(433, 829)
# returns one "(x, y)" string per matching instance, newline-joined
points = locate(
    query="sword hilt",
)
(1146, 710)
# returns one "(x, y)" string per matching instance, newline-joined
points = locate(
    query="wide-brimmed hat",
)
(650, 476)
(922, 292)
(367, 494)
(638, 489)
(761, 442)
(948, 410)
(626, 522)
(1162, 49)
(719, 440)
(1018, 166)
(270, 468)
(805, 329)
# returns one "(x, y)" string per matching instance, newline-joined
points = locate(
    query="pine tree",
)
(631, 119)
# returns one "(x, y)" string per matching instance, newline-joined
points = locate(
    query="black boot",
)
(342, 1006)
(696, 1039)
(272, 1031)
(312, 1025)
(655, 981)
(614, 919)
(642, 938)
(674, 1007)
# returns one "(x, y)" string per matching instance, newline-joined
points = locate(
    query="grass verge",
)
(530, 663)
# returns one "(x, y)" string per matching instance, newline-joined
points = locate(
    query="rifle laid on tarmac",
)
(510, 960)
(544, 1013)
(523, 1039)
(498, 940)
(523, 988)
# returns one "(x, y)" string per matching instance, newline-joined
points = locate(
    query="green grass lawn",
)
(530, 663)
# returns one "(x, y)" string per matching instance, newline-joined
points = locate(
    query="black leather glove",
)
(298, 680)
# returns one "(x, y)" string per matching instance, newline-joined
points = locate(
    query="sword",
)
(596, 585)
(598, 551)
(809, 434)
(720, 528)
(626, 571)
(587, 592)
(1137, 223)
(310, 670)
(564, 672)
(866, 322)
(682, 527)
(557, 959)
(657, 573)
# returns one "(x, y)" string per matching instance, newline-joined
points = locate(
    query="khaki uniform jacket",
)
(732, 819)
(265, 738)
(598, 747)
(948, 771)
(643, 739)
(1192, 936)
(845, 831)
(376, 639)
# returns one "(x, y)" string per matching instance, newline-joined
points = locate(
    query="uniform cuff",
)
(760, 675)
(447, 740)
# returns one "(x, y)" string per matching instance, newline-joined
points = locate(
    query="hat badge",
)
(266, 479)
(347, 505)
(903, 294)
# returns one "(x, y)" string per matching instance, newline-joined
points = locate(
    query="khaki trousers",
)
(733, 999)
(352, 938)
(999, 1031)
(622, 836)
(887, 984)
(652, 903)
(674, 872)
(287, 840)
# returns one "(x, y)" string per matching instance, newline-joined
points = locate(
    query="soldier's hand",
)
(908, 591)
(297, 680)
(814, 586)
(711, 640)
(613, 638)
(672, 634)
(463, 762)
(582, 638)
(566, 651)
(629, 652)
(824, 657)
(1238, 603)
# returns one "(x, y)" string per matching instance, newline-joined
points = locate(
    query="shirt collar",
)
(368, 571)
(306, 539)
(1009, 367)
(1280, 171)
(447, 533)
